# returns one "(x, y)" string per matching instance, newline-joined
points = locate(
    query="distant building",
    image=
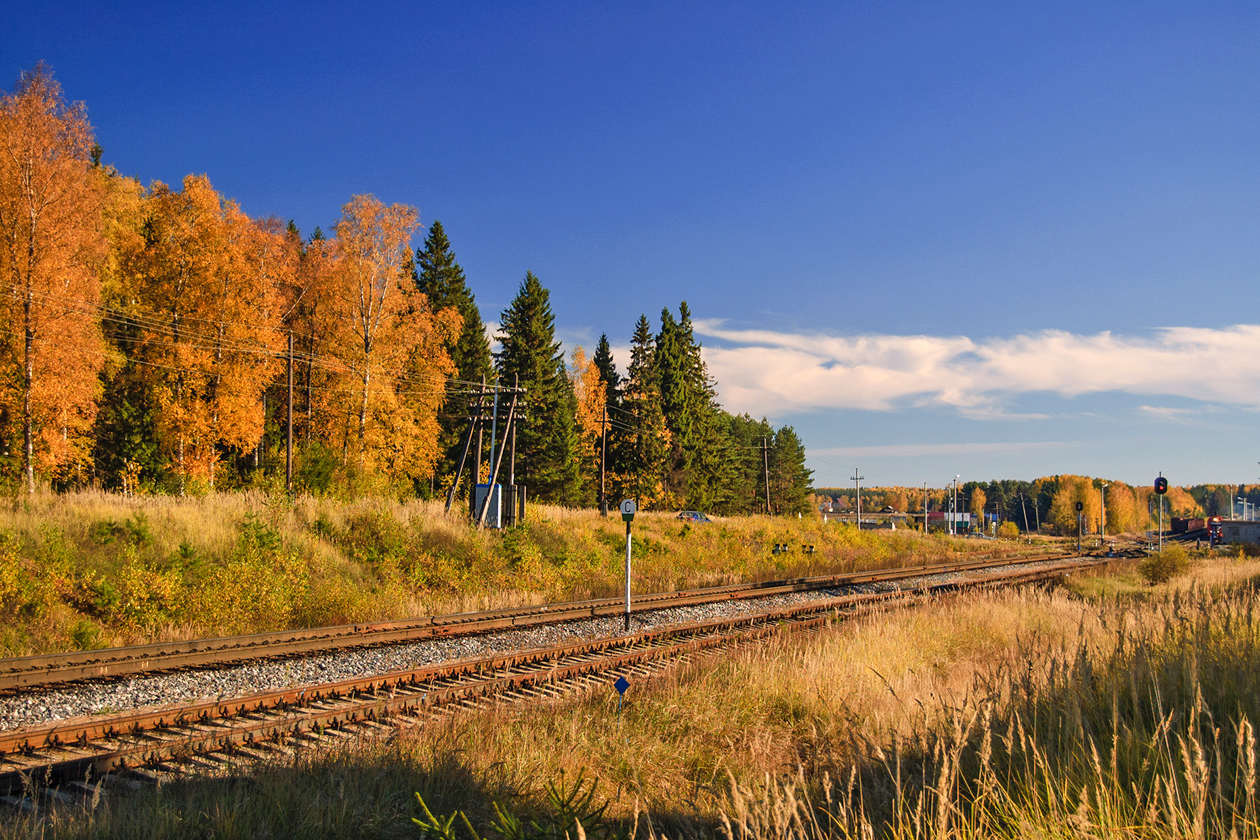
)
(1237, 530)
(938, 517)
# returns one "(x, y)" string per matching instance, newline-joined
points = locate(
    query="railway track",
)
(218, 734)
(23, 673)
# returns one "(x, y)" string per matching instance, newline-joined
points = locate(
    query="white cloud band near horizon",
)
(767, 372)
(920, 450)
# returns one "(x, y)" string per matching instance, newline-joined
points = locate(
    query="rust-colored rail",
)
(29, 671)
(42, 670)
(89, 747)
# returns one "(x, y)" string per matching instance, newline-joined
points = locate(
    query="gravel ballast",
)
(44, 705)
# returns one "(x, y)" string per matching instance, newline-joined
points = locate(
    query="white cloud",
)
(492, 335)
(919, 450)
(1177, 415)
(766, 372)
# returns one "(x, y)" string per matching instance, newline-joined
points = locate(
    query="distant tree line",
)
(1049, 503)
(146, 346)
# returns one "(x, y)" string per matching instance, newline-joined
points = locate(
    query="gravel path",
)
(41, 706)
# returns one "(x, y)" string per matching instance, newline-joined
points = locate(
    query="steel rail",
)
(48, 669)
(89, 747)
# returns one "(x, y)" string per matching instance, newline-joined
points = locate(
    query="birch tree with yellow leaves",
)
(385, 377)
(204, 278)
(52, 246)
(591, 395)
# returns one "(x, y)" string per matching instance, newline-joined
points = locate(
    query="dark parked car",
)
(693, 516)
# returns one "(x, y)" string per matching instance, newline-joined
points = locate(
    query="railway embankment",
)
(989, 712)
(92, 570)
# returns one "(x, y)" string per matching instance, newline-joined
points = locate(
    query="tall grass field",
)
(91, 569)
(1106, 708)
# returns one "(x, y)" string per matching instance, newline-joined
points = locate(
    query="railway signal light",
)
(628, 510)
(1161, 487)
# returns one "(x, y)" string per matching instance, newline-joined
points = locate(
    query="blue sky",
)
(987, 239)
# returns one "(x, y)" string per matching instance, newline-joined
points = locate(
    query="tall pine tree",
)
(613, 431)
(441, 279)
(790, 481)
(603, 360)
(645, 456)
(696, 472)
(546, 443)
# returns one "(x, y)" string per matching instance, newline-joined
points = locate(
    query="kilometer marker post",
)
(628, 509)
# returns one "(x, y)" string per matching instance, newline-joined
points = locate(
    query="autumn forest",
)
(153, 336)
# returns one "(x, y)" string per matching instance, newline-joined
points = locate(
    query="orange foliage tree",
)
(204, 279)
(309, 316)
(897, 500)
(590, 391)
(1123, 513)
(1073, 489)
(53, 244)
(380, 389)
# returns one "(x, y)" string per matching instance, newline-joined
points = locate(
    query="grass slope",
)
(91, 569)
(1031, 713)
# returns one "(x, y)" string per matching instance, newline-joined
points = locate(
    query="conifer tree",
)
(546, 442)
(744, 489)
(441, 279)
(696, 471)
(790, 481)
(615, 434)
(647, 454)
(603, 360)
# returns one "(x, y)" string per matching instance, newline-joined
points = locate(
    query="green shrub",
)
(135, 531)
(85, 635)
(374, 536)
(1008, 531)
(1247, 549)
(1160, 568)
(316, 469)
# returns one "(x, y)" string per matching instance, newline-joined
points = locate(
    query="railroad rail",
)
(42, 670)
(84, 750)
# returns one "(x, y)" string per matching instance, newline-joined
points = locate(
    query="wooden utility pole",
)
(518, 493)
(288, 426)
(857, 479)
(474, 419)
(765, 461)
(603, 461)
(472, 490)
(494, 469)
(516, 389)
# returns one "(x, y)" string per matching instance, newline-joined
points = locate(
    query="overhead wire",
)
(199, 340)
(422, 383)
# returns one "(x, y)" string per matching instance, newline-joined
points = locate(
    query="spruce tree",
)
(743, 489)
(546, 442)
(712, 470)
(697, 469)
(790, 482)
(644, 459)
(441, 279)
(603, 360)
(615, 437)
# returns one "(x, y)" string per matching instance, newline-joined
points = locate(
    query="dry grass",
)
(1102, 710)
(988, 715)
(92, 569)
